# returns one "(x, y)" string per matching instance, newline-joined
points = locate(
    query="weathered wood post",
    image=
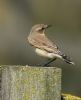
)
(30, 83)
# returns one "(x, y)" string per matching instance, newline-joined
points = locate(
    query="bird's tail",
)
(67, 59)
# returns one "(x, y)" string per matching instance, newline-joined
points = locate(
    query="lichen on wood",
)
(30, 83)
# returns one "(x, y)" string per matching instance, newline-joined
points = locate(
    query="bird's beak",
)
(47, 26)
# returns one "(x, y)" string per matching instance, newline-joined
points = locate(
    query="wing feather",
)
(42, 42)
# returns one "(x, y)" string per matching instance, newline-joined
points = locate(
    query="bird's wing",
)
(42, 42)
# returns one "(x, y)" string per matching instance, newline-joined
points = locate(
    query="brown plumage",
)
(43, 46)
(42, 42)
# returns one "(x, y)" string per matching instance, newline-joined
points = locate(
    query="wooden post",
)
(30, 83)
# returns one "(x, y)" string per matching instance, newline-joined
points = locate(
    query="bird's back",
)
(42, 42)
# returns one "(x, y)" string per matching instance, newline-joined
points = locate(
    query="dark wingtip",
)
(67, 59)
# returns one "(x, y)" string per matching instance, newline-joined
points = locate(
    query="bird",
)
(43, 46)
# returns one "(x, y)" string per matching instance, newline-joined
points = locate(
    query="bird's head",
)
(40, 28)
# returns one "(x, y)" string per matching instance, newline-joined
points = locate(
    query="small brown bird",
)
(43, 46)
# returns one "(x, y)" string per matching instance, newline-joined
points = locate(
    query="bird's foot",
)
(48, 63)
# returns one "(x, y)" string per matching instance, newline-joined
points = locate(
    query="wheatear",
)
(43, 46)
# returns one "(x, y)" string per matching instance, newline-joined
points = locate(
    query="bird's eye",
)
(40, 29)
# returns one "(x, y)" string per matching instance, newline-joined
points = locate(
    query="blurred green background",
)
(16, 19)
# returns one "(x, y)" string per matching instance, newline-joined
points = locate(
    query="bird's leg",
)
(46, 64)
